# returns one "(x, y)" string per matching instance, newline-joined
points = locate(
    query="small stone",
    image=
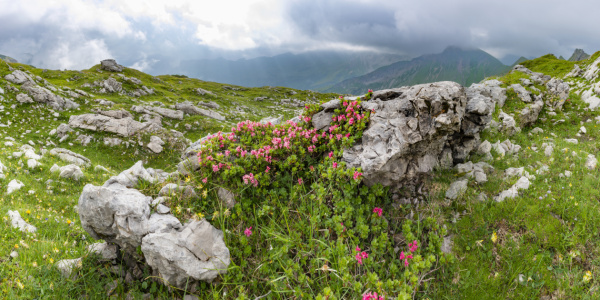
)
(572, 141)
(591, 162)
(456, 189)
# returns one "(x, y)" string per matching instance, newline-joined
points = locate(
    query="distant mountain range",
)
(454, 64)
(315, 70)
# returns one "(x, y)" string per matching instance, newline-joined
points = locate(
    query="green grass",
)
(548, 235)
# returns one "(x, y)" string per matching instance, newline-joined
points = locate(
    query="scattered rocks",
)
(18, 77)
(17, 222)
(176, 253)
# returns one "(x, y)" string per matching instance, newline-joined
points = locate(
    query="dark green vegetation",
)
(454, 64)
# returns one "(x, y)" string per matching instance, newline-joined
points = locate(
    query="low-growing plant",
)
(304, 224)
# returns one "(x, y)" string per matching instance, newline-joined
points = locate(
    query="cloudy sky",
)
(76, 34)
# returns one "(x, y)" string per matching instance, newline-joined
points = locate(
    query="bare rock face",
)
(111, 65)
(45, 96)
(190, 109)
(70, 156)
(414, 127)
(196, 251)
(18, 77)
(531, 113)
(124, 126)
(122, 216)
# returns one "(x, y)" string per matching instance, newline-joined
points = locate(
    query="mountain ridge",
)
(453, 64)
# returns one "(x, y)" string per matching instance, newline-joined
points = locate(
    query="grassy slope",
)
(51, 208)
(547, 237)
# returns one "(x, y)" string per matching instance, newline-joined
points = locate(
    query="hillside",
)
(432, 191)
(8, 59)
(314, 70)
(454, 64)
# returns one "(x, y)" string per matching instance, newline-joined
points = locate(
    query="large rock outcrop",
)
(178, 254)
(122, 126)
(416, 128)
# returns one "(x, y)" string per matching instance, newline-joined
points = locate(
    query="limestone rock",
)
(202, 92)
(197, 251)
(172, 189)
(71, 171)
(14, 185)
(131, 176)
(45, 96)
(24, 98)
(111, 65)
(17, 222)
(508, 125)
(190, 109)
(523, 94)
(530, 114)
(226, 197)
(67, 266)
(70, 156)
(18, 77)
(591, 162)
(456, 189)
(409, 131)
(155, 144)
(125, 126)
(512, 192)
(107, 252)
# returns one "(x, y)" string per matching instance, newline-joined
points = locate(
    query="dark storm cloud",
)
(529, 28)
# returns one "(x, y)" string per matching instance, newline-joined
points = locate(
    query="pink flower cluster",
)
(357, 175)
(248, 231)
(249, 179)
(360, 255)
(412, 247)
(372, 296)
(378, 211)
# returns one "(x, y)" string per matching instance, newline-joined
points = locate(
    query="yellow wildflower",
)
(20, 285)
(69, 222)
(494, 237)
(16, 246)
(200, 215)
(28, 211)
(51, 260)
(587, 277)
(204, 193)
(215, 214)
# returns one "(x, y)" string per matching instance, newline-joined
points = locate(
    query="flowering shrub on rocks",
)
(302, 216)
